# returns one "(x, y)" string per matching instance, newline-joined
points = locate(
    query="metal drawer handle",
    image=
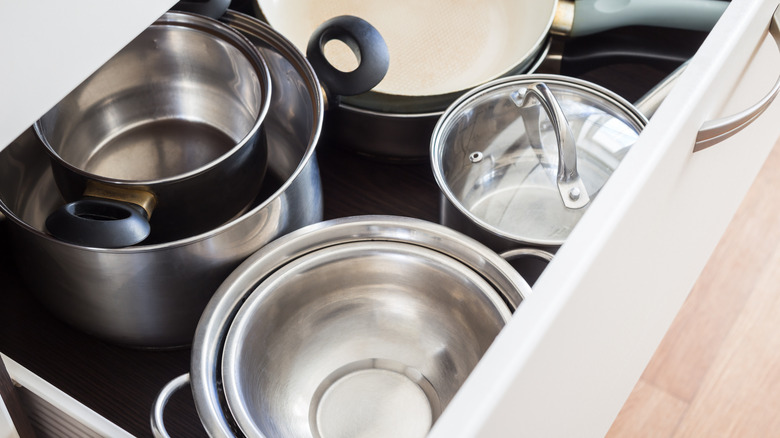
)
(715, 131)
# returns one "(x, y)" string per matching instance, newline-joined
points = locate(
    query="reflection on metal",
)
(715, 131)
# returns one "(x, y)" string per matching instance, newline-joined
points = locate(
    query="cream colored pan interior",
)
(436, 47)
(448, 46)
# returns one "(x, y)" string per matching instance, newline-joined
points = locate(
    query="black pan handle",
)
(210, 8)
(366, 43)
(99, 223)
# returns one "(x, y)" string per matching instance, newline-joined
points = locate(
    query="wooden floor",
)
(717, 371)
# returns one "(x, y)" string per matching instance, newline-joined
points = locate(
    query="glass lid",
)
(524, 156)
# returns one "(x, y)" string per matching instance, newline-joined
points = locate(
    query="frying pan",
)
(439, 50)
(443, 48)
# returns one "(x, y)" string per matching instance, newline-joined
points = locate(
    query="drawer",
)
(569, 358)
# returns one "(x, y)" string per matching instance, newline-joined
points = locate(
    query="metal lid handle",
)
(570, 185)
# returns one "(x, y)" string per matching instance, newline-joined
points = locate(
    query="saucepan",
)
(367, 323)
(520, 159)
(151, 295)
(170, 125)
(442, 49)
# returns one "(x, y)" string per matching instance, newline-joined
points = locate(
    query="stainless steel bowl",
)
(370, 338)
(405, 266)
(175, 115)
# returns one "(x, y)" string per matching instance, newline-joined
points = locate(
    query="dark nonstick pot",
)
(152, 295)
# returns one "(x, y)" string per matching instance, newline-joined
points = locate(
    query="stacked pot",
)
(136, 195)
(129, 239)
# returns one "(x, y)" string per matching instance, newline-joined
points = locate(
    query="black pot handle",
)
(210, 8)
(366, 43)
(100, 223)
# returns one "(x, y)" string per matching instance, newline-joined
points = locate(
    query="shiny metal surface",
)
(374, 337)
(573, 192)
(713, 132)
(530, 263)
(153, 295)
(177, 113)
(393, 135)
(219, 314)
(510, 198)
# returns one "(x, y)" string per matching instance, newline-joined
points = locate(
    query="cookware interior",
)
(28, 189)
(363, 336)
(435, 47)
(152, 295)
(175, 99)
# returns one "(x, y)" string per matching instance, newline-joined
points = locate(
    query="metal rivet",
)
(475, 157)
(574, 193)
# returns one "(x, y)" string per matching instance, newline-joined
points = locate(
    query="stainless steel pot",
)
(520, 159)
(153, 295)
(164, 138)
(439, 52)
(397, 303)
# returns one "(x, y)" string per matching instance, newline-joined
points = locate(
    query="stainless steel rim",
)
(217, 317)
(247, 26)
(209, 26)
(436, 149)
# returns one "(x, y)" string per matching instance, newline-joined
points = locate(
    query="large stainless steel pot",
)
(153, 295)
(419, 304)
(440, 51)
(164, 138)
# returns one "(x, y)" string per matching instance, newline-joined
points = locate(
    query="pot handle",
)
(529, 272)
(210, 8)
(592, 16)
(158, 410)
(366, 43)
(570, 186)
(98, 222)
(715, 131)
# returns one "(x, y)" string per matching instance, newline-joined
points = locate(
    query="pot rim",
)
(223, 32)
(227, 300)
(442, 125)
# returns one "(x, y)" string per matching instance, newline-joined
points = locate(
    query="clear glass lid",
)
(525, 156)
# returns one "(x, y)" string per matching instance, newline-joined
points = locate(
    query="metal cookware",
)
(519, 159)
(165, 138)
(153, 295)
(367, 323)
(440, 50)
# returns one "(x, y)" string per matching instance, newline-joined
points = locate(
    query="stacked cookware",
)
(174, 198)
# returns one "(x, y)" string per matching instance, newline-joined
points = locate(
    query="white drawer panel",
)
(566, 363)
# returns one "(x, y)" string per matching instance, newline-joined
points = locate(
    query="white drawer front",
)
(568, 360)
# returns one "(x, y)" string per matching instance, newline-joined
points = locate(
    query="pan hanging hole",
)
(476, 157)
(341, 56)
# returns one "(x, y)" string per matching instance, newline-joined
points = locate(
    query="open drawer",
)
(567, 361)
